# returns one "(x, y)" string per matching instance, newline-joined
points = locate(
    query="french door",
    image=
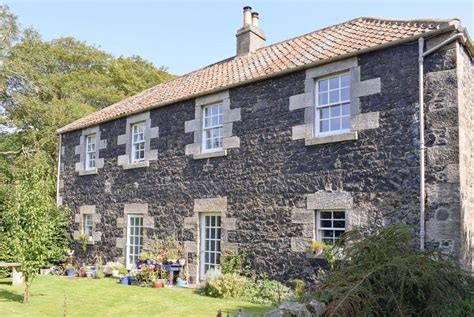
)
(210, 225)
(134, 239)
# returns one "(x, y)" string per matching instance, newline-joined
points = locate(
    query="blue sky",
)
(187, 35)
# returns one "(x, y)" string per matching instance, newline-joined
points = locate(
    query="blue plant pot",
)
(70, 272)
(180, 283)
(125, 280)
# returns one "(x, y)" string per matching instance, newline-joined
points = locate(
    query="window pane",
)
(215, 120)
(326, 215)
(338, 233)
(334, 96)
(345, 94)
(334, 83)
(339, 215)
(335, 124)
(324, 126)
(213, 221)
(207, 122)
(346, 109)
(345, 80)
(346, 124)
(323, 85)
(323, 98)
(326, 223)
(324, 113)
(339, 224)
(335, 111)
(328, 233)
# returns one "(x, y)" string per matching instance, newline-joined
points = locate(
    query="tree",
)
(45, 85)
(34, 230)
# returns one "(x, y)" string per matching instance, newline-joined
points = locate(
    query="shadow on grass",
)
(5, 282)
(9, 296)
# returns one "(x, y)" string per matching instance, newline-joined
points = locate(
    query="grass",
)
(61, 296)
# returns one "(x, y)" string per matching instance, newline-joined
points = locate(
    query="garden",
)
(366, 275)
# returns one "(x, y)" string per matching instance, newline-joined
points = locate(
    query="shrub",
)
(231, 285)
(267, 291)
(234, 263)
(383, 274)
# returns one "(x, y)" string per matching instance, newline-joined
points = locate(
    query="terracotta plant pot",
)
(158, 285)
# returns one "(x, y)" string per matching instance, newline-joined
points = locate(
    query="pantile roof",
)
(338, 41)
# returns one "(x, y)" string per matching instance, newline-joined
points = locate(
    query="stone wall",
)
(465, 67)
(442, 149)
(271, 181)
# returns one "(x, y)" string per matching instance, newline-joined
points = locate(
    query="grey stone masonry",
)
(81, 151)
(306, 101)
(195, 126)
(126, 139)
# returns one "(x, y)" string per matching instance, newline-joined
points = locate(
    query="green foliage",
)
(33, 228)
(384, 275)
(234, 263)
(231, 285)
(237, 286)
(267, 291)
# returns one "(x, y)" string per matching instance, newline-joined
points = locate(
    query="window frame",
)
(87, 225)
(317, 107)
(134, 143)
(319, 229)
(87, 159)
(141, 236)
(218, 126)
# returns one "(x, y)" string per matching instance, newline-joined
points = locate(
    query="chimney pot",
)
(255, 19)
(247, 15)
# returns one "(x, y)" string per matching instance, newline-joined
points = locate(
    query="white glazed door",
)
(134, 239)
(210, 242)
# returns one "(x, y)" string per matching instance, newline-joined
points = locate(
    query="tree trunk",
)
(26, 296)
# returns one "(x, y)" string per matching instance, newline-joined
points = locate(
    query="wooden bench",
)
(17, 278)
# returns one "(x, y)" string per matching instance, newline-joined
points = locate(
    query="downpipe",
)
(421, 57)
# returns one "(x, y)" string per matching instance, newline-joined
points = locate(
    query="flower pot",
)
(182, 262)
(70, 272)
(158, 285)
(125, 280)
(181, 283)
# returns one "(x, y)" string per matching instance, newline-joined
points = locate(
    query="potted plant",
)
(180, 282)
(70, 270)
(317, 248)
(83, 238)
(113, 268)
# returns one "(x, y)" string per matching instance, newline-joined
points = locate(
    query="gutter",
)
(421, 57)
(450, 27)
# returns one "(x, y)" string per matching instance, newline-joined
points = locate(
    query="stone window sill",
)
(88, 172)
(349, 136)
(136, 165)
(207, 155)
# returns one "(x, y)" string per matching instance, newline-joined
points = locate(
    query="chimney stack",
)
(250, 37)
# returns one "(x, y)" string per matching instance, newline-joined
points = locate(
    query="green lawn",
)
(60, 296)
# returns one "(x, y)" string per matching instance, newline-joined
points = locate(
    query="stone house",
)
(284, 144)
